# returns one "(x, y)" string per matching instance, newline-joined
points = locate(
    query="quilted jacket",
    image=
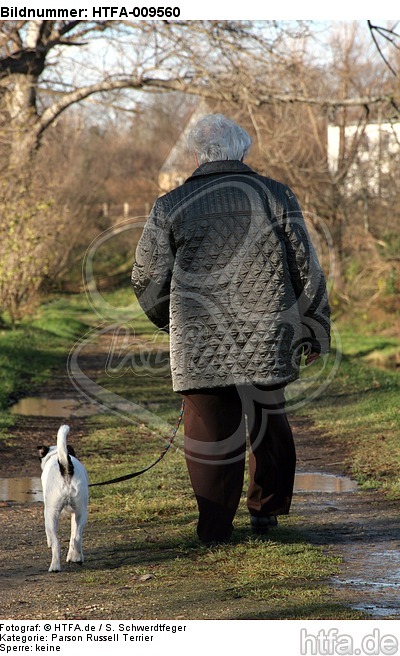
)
(226, 266)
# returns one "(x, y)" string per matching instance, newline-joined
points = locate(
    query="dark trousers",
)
(215, 449)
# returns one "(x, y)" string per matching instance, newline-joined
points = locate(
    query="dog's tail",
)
(64, 459)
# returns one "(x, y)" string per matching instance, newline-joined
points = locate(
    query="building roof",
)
(179, 164)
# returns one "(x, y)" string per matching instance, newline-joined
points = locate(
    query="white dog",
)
(65, 486)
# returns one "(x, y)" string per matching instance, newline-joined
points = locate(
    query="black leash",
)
(160, 457)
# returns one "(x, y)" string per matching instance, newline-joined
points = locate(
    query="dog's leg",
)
(75, 553)
(51, 517)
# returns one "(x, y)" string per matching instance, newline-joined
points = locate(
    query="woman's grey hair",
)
(215, 137)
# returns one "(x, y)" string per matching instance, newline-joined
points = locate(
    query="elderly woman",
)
(226, 266)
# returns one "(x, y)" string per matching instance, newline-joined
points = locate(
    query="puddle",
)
(36, 406)
(375, 575)
(21, 490)
(316, 482)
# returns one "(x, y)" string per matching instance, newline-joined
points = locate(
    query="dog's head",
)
(43, 451)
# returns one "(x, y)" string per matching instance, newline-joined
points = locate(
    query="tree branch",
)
(188, 86)
(385, 33)
(51, 113)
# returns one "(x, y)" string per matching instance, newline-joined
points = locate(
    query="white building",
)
(371, 149)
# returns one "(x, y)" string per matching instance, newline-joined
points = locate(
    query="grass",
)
(153, 522)
(29, 353)
(35, 348)
(152, 519)
(360, 409)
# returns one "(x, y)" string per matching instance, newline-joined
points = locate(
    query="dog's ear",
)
(43, 451)
(71, 450)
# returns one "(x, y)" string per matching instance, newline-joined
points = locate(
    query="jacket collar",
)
(224, 166)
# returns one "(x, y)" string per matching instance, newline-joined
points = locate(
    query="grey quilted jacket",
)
(225, 264)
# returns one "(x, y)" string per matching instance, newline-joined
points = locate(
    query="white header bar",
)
(191, 10)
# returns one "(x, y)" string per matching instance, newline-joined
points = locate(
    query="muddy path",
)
(363, 528)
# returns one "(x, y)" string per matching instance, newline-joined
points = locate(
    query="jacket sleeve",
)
(152, 270)
(307, 277)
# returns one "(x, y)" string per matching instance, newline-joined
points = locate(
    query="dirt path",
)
(361, 527)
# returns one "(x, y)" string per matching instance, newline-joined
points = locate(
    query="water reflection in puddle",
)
(27, 490)
(316, 482)
(21, 490)
(37, 406)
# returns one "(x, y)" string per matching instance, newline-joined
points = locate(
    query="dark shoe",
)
(214, 543)
(261, 525)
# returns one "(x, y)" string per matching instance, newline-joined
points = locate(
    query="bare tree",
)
(49, 66)
(39, 79)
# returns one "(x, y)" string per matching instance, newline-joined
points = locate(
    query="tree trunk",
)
(22, 126)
